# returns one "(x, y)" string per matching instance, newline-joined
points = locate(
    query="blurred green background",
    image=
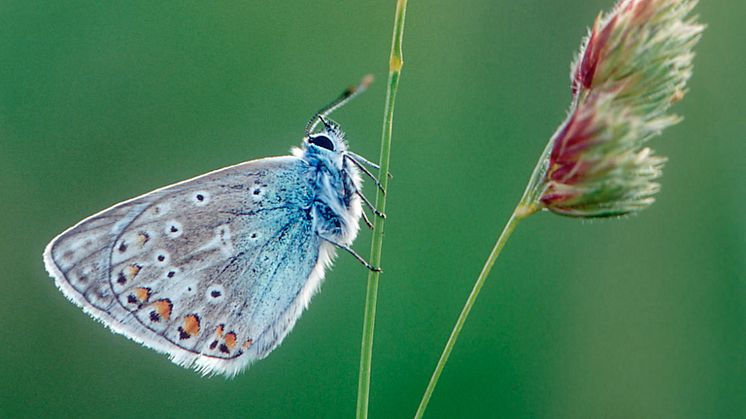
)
(637, 318)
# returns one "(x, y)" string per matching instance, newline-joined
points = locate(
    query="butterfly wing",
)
(214, 271)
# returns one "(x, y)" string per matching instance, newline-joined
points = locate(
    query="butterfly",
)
(215, 271)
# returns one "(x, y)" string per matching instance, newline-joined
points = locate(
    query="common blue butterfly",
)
(214, 271)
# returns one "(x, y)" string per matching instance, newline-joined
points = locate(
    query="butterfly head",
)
(328, 143)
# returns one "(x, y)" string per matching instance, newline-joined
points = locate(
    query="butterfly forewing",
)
(213, 271)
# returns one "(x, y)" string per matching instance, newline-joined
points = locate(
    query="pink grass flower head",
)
(631, 68)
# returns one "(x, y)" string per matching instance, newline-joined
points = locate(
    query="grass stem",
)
(396, 62)
(518, 214)
(527, 206)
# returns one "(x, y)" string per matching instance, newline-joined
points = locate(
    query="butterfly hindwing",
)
(213, 271)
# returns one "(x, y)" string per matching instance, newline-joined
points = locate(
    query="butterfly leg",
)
(361, 159)
(367, 172)
(367, 202)
(349, 250)
(369, 205)
(367, 220)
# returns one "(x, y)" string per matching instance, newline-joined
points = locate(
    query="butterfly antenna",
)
(346, 96)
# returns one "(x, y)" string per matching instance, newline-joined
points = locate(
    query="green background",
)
(643, 317)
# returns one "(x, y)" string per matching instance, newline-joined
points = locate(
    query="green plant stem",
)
(396, 62)
(527, 206)
(501, 240)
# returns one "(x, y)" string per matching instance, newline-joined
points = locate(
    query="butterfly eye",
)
(322, 141)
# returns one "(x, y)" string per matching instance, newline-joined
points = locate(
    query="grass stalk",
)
(501, 240)
(525, 208)
(396, 62)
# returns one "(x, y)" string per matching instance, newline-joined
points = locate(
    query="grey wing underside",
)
(213, 271)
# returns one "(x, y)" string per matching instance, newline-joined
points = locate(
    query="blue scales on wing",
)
(213, 271)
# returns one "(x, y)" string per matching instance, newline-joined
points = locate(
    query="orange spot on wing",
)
(191, 325)
(247, 344)
(142, 294)
(163, 308)
(133, 270)
(142, 238)
(230, 340)
(219, 331)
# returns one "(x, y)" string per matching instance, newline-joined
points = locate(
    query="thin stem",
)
(501, 240)
(527, 206)
(396, 62)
